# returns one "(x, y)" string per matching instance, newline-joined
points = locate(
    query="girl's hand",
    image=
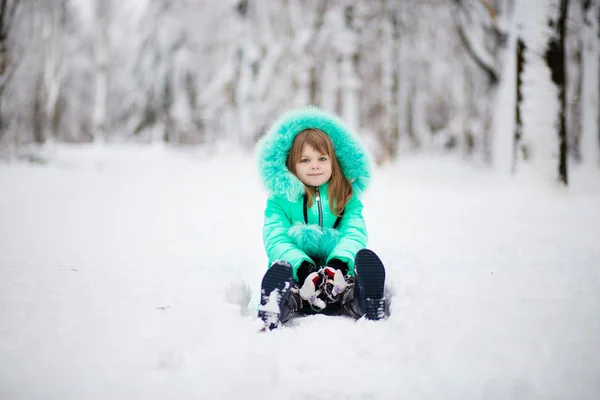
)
(334, 284)
(310, 290)
(304, 270)
(338, 264)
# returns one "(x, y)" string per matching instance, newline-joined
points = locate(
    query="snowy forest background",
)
(131, 253)
(409, 76)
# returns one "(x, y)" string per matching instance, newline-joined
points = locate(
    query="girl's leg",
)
(275, 292)
(350, 302)
(366, 296)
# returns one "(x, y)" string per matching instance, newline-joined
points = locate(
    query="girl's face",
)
(314, 168)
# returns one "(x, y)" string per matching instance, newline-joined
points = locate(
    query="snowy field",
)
(126, 273)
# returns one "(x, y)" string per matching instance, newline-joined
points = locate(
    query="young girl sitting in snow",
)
(314, 232)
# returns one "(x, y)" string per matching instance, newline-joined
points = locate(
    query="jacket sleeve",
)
(353, 234)
(278, 244)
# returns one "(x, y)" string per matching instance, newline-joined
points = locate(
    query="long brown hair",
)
(340, 189)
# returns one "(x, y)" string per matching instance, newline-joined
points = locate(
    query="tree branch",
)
(7, 16)
(490, 11)
(3, 10)
(11, 17)
(7, 75)
(488, 69)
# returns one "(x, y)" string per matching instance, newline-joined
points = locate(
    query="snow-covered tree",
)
(411, 75)
(589, 142)
(33, 99)
(102, 14)
(53, 30)
(8, 61)
(543, 139)
(481, 35)
(10, 57)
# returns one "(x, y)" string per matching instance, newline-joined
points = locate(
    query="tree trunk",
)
(478, 31)
(248, 67)
(518, 104)
(555, 58)
(8, 63)
(503, 143)
(101, 58)
(390, 119)
(575, 69)
(589, 142)
(38, 116)
(575, 106)
(350, 80)
(544, 135)
(53, 74)
(8, 10)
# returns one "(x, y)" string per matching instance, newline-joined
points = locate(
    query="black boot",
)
(275, 303)
(350, 303)
(366, 295)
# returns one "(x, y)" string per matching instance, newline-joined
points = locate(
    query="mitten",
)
(304, 270)
(334, 285)
(336, 263)
(310, 290)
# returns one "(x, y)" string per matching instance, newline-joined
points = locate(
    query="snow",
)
(273, 303)
(126, 272)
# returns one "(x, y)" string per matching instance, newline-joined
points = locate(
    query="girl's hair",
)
(340, 189)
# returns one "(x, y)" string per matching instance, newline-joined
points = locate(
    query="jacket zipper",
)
(318, 196)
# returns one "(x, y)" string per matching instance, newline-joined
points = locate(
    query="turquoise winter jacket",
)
(286, 235)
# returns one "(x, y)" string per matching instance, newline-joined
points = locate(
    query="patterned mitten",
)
(310, 291)
(334, 284)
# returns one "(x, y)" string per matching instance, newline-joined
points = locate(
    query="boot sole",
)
(370, 277)
(278, 277)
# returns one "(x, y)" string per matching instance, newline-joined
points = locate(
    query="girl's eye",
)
(304, 160)
(323, 159)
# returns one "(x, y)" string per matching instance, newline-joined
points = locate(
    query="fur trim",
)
(274, 147)
(316, 242)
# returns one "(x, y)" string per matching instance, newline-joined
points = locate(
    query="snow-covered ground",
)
(124, 272)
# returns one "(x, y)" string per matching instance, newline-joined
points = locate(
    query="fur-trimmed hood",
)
(274, 147)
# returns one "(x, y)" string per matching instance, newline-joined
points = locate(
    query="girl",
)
(314, 232)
